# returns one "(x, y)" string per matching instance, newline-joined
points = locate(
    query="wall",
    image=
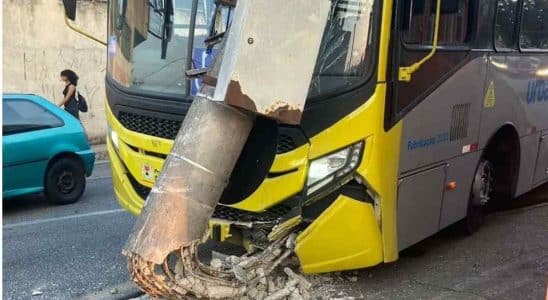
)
(38, 45)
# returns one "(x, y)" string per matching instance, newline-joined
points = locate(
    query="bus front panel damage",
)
(268, 57)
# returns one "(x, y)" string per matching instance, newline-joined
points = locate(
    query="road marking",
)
(98, 178)
(102, 162)
(92, 214)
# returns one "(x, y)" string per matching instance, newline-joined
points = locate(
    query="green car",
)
(44, 148)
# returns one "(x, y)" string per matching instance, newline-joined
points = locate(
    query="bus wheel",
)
(482, 189)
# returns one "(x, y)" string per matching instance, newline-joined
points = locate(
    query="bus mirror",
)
(70, 9)
(70, 14)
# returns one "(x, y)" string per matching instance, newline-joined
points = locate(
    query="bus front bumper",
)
(345, 236)
(124, 191)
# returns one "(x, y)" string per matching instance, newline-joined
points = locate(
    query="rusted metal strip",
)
(270, 56)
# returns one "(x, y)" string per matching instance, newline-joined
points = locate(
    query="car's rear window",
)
(21, 115)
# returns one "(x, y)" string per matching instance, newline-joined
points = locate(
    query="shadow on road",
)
(505, 259)
(536, 196)
(25, 203)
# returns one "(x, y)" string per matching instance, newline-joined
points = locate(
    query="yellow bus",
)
(419, 114)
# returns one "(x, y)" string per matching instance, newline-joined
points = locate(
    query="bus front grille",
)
(234, 214)
(225, 212)
(140, 189)
(158, 127)
(285, 144)
(168, 129)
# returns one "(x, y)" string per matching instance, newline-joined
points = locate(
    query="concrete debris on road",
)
(285, 284)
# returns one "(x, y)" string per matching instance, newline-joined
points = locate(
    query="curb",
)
(101, 153)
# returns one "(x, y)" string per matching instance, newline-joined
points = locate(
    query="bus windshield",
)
(136, 31)
(135, 35)
(345, 51)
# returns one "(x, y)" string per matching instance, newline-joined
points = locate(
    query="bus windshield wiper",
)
(214, 39)
(194, 73)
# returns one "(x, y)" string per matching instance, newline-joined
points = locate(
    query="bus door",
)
(435, 87)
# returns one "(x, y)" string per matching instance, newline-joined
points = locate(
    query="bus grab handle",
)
(405, 73)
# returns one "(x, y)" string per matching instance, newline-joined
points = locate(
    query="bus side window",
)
(534, 25)
(505, 21)
(419, 16)
(416, 31)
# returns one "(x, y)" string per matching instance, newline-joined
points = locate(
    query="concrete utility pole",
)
(265, 67)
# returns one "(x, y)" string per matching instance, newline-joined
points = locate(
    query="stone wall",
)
(38, 45)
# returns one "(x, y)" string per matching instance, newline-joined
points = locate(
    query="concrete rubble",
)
(284, 283)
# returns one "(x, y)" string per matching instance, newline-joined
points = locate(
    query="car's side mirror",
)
(70, 9)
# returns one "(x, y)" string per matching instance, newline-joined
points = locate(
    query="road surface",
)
(63, 252)
(506, 259)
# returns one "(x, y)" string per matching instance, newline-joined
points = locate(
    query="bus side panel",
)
(446, 121)
(422, 194)
(440, 131)
(541, 173)
(455, 200)
(528, 159)
(419, 205)
(517, 93)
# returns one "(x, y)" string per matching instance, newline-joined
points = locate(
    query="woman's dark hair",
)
(70, 75)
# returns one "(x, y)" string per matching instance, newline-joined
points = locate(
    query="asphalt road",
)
(64, 252)
(506, 259)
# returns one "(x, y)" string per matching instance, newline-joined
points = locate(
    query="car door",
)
(28, 131)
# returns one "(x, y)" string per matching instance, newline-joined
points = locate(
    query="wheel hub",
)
(486, 184)
(66, 182)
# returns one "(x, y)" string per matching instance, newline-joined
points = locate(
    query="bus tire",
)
(480, 194)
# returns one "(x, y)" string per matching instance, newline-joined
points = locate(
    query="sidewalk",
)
(100, 152)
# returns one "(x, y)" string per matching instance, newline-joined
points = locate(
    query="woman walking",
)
(70, 102)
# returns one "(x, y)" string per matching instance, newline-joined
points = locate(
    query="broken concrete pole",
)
(193, 178)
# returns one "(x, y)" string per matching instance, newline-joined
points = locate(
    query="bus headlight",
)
(113, 137)
(333, 166)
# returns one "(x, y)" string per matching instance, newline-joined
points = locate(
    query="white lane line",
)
(98, 178)
(92, 214)
(102, 162)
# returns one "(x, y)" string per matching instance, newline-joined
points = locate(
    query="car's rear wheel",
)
(65, 181)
